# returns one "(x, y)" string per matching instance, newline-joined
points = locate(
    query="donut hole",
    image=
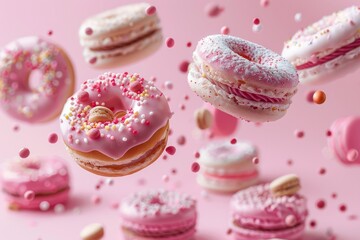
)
(35, 80)
(245, 56)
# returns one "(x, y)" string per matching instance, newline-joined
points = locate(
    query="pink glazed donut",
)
(242, 78)
(35, 183)
(158, 214)
(116, 124)
(258, 215)
(327, 49)
(18, 60)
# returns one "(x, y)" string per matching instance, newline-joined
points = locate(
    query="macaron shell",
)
(253, 234)
(53, 199)
(125, 55)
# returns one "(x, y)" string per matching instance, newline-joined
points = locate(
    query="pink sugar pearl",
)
(184, 65)
(352, 155)
(255, 160)
(24, 152)
(290, 220)
(93, 60)
(197, 155)
(165, 178)
(88, 31)
(256, 21)
(136, 86)
(213, 9)
(181, 140)
(225, 30)
(342, 208)
(94, 134)
(264, 3)
(320, 204)
(53, 138)
(29, 195)
(233, 141)
(171, 150)
(151, 10)
(83, 96)
(195, 167)
(170, 42)
(299, 133)
(95, 199)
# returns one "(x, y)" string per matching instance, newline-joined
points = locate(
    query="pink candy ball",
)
(213, 9)
(170, 42)
(195, 167)
(225, 30)
(24, 152)
(53, 138)
(29, 195)
(151, 10)
(171, 150)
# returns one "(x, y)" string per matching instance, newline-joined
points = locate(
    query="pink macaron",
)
(344, 140)
(35, 183)
(120, 36)
(327, 49)
(242, 78)
(258, 215)
(227, 167)
(158, 214)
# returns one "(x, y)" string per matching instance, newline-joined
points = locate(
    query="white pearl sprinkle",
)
(124, 139)
(59, 208)
(298, 17)
(44, 206)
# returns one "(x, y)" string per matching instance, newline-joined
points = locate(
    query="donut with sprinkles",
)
(116, 124)
(18, 97)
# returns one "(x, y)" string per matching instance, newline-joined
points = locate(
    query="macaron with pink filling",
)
(258, 213)
(121, 35)
(241, 78)
(327, 49)
(35, 183)
(227, 167)
(344, 141)
(158, 214)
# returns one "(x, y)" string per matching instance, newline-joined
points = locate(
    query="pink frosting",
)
(17, 60)
(246, 61)
(248, 95)
(159, 212)
(47, 177)
(345, 138)
(146, 111)
(339, 52)
(256, 208)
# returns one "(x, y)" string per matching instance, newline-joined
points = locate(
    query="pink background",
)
(185, 20)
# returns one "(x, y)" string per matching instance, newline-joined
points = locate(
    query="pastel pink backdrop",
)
(185, 21)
